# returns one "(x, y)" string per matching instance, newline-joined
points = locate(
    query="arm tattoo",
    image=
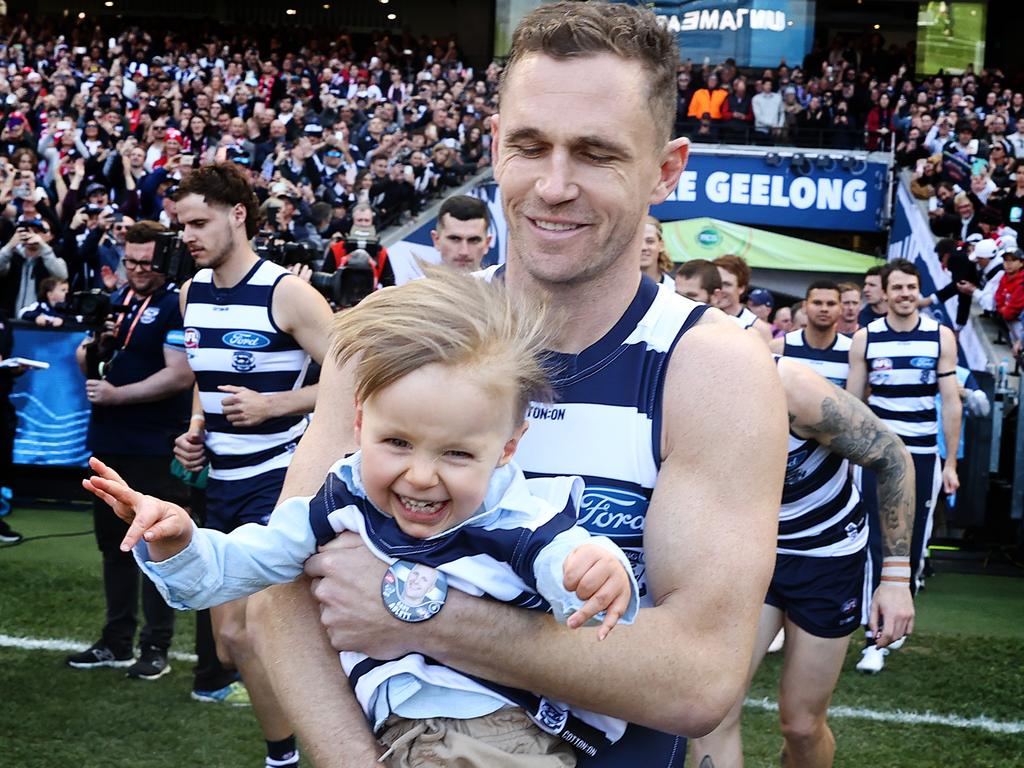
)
(855, 433)
(707, 762)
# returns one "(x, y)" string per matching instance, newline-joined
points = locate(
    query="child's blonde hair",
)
(453, 320)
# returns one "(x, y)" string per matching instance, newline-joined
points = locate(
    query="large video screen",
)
(756, 33)
(950, 36)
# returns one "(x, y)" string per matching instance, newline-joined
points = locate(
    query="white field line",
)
(898, 716)
(65, 646)
(906, 718)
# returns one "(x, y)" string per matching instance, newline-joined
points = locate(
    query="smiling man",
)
(904, 359)
(577, 174)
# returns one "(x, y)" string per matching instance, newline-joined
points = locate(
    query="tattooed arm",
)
(820, 411)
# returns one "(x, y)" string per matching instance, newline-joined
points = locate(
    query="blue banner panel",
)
(774, 191)
(755, 33)
(53, 413)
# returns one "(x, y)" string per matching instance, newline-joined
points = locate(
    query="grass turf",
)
(965, 659)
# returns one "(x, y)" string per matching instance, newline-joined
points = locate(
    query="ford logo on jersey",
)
(926, 363)
(612, 512)
(245, 340)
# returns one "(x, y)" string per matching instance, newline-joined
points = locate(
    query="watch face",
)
(412, 591)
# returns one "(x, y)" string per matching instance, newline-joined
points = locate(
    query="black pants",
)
(209, 674)
(122, 579)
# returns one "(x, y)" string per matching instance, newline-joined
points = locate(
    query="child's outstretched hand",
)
(597, 576)
(166, 527)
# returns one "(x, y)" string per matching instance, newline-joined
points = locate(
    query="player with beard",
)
(645, 379)
(906, 358)
(819, 346)
(250, 330)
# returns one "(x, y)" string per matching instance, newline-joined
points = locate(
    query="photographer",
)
(25, 261)
(140, 400)
(362, 235)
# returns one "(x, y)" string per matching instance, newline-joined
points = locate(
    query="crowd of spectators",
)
(847, 94)
(99, 120)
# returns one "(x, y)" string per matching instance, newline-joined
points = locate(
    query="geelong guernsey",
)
(832, 363)
(231, 338)
(821, 514)
(745, 319)
(605, 424)
(901, 372)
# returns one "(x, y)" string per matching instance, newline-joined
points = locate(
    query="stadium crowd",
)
(99, 124)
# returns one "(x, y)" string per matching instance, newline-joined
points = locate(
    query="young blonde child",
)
(445, 368)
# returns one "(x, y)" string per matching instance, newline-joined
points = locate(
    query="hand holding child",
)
(166, 527)
(597, 576)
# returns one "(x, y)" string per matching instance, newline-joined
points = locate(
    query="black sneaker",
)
(151, 664)
(99, 655)
(7, 536)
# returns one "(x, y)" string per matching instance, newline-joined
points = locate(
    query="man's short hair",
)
(223, 184)
(145, 231)
(736, 265)
(823, 285)
(962, 199)
(845, 287)
(875, 271)
(570, 30)
(463, 208)
(704, 270)
(899, 265)
(363, 207)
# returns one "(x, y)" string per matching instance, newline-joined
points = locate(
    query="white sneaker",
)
(778, 642)
(872, 660)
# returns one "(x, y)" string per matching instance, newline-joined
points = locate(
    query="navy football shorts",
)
(231, 503)
(821, 595)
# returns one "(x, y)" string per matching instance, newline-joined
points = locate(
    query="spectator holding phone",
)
(25, 261)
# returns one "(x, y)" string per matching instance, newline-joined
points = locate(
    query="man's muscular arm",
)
(820, 411)
(709, 541)
(309, 683)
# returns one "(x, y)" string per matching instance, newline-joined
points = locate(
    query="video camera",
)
(172, 259)
(346, 286)
(350, 283)
(286, 253)
(93, 309)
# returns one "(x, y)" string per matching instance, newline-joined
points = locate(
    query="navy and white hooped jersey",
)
(605, 424)
(902, 374)
(832, 363)
(231, 338)
(821, 514)
(745, 319)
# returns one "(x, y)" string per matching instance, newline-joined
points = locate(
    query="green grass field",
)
(965, 660)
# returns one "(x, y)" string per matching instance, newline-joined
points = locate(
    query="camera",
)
(93, 309)
(172, 259)
(350, 283)
(286, 253)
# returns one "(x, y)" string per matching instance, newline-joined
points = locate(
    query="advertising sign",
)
(53, 413)
(780, 192)
(756, 33)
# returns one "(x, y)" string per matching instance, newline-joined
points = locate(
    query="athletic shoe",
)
(151, 665)
(234, 693)
(99, 655)
(778, 642)
(872, 660)
(7, 536)
(895, 645)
